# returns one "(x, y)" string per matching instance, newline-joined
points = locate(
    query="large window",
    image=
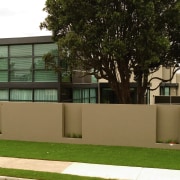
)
(20, 95)
(41, 74)
(23, 73)
(4, 95)
(45, 95)
(41, 49)
(87, 95)
(40, 95)
(92, 95)
(3, 76)
(3, 51)
(25, 63)
(3, 64)
(168, 90)
(20, 50)
(165, 91)
(45, 76)
(21, 69)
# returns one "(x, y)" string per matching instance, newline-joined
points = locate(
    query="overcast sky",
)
(21, 18)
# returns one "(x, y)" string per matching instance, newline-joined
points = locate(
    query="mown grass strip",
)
(41, 175)
(113, 155)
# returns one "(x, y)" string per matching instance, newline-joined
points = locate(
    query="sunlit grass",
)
(113, 155)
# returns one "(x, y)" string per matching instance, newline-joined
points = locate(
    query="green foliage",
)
(116, 38)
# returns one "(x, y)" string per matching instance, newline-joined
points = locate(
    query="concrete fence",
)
(153, 126)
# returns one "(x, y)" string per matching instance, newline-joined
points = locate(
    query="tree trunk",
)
(122, 91)
(140, 95)
(125, 95)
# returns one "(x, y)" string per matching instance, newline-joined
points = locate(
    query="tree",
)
(116, 39)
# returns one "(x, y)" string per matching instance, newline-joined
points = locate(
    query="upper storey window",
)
(41, 49)
(20, 50)
(3, 51)
(24, 63)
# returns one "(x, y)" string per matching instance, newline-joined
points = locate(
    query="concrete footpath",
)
(91, 170)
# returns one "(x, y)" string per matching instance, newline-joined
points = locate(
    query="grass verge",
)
(112, 155)
(41, 175)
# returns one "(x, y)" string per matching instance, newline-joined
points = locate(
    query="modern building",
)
(24, 77)
(168, 92)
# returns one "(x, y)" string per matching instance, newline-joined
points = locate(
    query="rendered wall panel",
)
(32, 121)
(168, 123)
(126, 125)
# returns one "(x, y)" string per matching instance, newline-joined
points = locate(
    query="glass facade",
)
(24, 63)
(3, 51)
(87, 95)
(25, 77)
(41, 49)
(22, 69)
(20, 95)
(45, 95)
(4, 95)
(3, 63)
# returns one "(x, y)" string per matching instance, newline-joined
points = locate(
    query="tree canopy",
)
(116, 39)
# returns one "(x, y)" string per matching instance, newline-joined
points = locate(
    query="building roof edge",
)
(26, 40)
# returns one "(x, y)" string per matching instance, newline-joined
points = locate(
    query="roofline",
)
(26, 40)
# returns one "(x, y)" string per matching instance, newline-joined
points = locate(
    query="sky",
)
(21, 18)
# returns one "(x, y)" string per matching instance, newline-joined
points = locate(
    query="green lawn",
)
(41, 175)
(114, 155)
